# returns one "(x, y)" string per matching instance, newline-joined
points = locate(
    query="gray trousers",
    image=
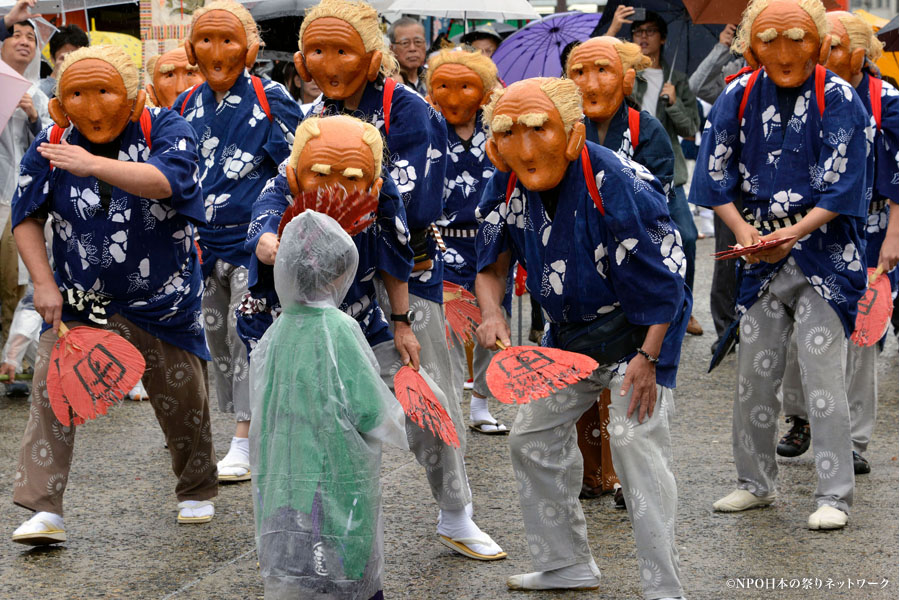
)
(862, 391)
(481, 359)
(445, 466)
(792, 305)
(225, 287)
(548, 469)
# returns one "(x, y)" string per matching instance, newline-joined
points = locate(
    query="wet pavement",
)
(124, 541)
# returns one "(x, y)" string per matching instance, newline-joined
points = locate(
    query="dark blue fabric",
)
(138, 253)
(684, 220)
(580, 268)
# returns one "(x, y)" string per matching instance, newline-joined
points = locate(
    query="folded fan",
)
(353, 211)
(737, 251)
(90, 370)
(462, 312)
(422, 407)
(520, 374)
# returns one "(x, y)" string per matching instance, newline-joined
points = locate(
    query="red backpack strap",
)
(634, 126)
(147, 127)
(386, 99)
(590, 181)
(56, 133)
(511, 185)
(875, 86)
(186, 98)
(750, 83)
(820, 89)
(743, 71)
(261, 96)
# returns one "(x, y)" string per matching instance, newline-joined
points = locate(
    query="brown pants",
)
(177, 383)
(593, 441)
(10, 290)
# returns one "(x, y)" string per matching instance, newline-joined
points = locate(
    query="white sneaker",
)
(739, 500)
(828, 517)
(236, 464)
(196, 511)
(41, 529)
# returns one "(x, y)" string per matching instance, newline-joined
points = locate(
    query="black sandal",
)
(796, 441)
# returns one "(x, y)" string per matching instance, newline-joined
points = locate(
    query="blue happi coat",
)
(654, 150)
(240, 150)
(783, 169)
(581, 264)
(415, 160)
(383, 246)
(887, 181)
(136, 253)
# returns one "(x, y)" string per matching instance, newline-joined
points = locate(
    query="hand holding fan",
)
(90, 370)
(462, 312)
(422, 407)
(738, 251)
(520, 374)
(873, 312)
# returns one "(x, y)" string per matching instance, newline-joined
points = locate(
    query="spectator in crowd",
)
(408, 44)
(305, 93)
(483, 38)
(66, 39)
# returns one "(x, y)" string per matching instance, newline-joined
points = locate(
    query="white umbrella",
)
(466, 9)
(63, 6)
(273, 9)
(12, 87)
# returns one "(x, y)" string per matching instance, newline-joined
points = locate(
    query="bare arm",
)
(490, 287)
(29, 235)
(404, 339)
(887, 256)
(812, 221)
(140, 179)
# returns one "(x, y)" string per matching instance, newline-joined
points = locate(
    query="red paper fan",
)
(90, 370)
(873, 310)
(736, 252)
(461, 311)
(354, 212)
(420, 404)
(520, 374)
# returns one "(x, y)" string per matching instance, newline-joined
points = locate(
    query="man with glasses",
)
(408, 44)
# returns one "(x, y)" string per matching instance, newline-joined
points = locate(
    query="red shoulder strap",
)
(744, 70)
(590, 181)
(56, 133)
(186, 98)
(750, 83)
(820, 89)
(147, 127)
(386, 99)
(875, 86)
(261, 96)
(634, 126)
(511, 185)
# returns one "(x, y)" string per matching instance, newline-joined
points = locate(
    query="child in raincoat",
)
(321, 413)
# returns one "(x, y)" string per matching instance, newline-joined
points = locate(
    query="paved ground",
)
(125, 543)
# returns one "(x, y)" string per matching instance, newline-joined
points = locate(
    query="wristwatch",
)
(408, 317)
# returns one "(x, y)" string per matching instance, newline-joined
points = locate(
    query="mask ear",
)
(252, 51)
(151, 94)
(825, 50)
(576, 141)
(57, 113)
(292, 180)
(431, 102)
(300, 65)
(751, 59)
(628, 82)
(857, 60)
(189, 50)
(493, 154)
(139, 103)
(376, 186)
(485, 100)
(374, 65)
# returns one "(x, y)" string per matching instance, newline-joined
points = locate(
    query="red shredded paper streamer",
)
(461, 311)
(520, 374)
(422, 407)
(90, 370)
(354, 212)
(873, 312)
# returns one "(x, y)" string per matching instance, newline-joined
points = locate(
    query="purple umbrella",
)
(534, 50)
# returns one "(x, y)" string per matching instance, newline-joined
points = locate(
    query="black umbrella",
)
(888, 35)
(687, 44)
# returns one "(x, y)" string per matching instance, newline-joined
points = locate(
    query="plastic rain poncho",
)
(320, 415)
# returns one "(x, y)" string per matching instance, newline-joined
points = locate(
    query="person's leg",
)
(537, 321)
(721, 293)
(480, 417)
(590, 444)
(796, 441)
(684, 221)
(862, 394)
(10, 290)
(764, 330)
(642, 455)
